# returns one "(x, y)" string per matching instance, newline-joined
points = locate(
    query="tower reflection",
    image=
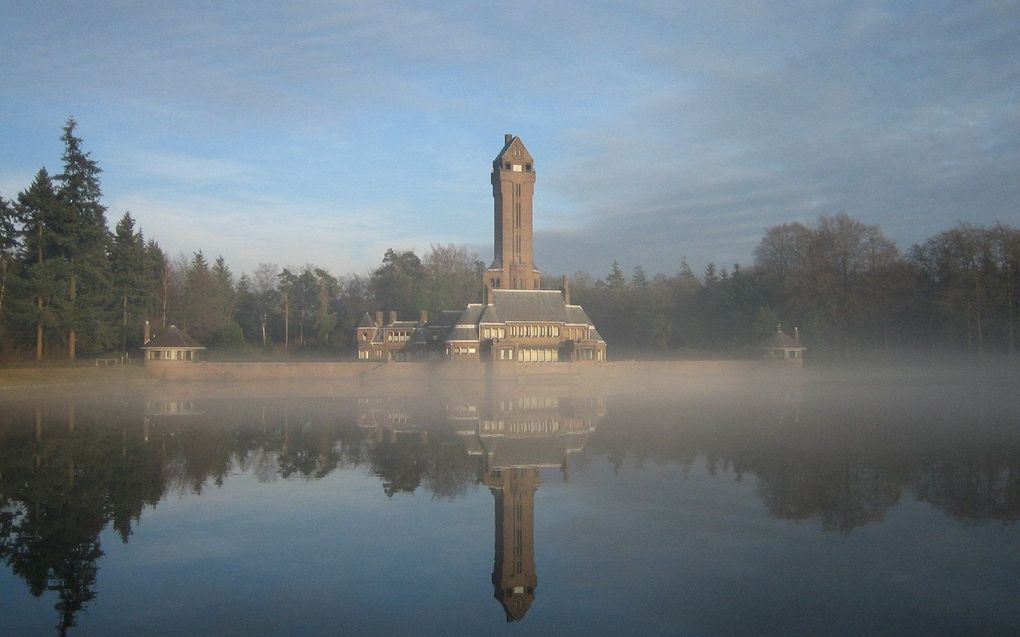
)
(516, 436)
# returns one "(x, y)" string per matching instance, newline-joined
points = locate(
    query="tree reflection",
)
(70, 470)
(844, 465)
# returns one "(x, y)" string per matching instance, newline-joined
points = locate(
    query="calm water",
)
(827, 505)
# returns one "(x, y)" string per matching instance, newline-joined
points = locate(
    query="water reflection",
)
(70, 469)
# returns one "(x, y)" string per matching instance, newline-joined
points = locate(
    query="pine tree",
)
(8, 251)
(8, 246)
(84, 236)
(42, 245)
(127, 268)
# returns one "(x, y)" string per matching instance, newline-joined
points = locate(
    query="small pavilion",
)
(782, 348)
(172, 345)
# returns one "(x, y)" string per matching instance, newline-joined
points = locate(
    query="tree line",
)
(70, 286)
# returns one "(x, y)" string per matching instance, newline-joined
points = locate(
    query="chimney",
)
(424, 318)
(378, 318)
(566, 289)
(796, 334)
(393, 316)
(148, 332)
(507, 138)
(486, 294)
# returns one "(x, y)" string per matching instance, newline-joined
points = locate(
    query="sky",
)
(327, 132)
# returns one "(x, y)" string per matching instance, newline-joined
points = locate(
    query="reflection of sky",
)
(327, 132)
(647, 551)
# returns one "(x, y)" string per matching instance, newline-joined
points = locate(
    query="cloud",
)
(329, 132)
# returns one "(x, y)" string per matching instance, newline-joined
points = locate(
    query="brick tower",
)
(513, 189)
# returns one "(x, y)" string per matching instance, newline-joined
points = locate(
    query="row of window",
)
(544, 425)
(470, 349)
(517, 168)
(170, 355)
(399, 336)
(537, 355)
(530, 402)
(778, 353)
(534, 330)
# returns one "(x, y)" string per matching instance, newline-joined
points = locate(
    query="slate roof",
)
(446, 318)
(780, 340)
(471, 314)
(525, 305)
(576, 314)
(173, 337)
(366, 321)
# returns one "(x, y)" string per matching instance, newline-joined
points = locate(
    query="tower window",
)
(506, 165)
(527, 168)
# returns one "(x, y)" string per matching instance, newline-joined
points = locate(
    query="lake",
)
(882, 502)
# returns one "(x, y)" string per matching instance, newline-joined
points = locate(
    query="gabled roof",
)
(471, 314)
(780, 340)
(173, 337)
(366, 321)
(510, 150)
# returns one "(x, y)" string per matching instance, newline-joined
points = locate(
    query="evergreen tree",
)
(129, 277)
(39, 209)
(84, 236)
(202, 312)
(8, 248)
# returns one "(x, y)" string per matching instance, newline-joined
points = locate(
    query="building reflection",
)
(512, 437)
(515, 437)
(71, 468)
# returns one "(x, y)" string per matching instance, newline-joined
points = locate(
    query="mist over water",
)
(872, 501)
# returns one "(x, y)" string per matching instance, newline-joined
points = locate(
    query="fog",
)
(897, 479)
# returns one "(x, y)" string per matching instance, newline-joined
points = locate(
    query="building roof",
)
(403, 324)
(471, 314)
(463, 333)
(511, 141)
(780, 340)
(446, 318)
(525, 305)
(366, 321)
(577, 315)
(173, 337)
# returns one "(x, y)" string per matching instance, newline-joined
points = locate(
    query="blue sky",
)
(323, 132)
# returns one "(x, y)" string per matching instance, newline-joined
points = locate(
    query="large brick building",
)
(516, 320)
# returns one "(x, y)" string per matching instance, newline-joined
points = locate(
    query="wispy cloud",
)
(326, 133)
